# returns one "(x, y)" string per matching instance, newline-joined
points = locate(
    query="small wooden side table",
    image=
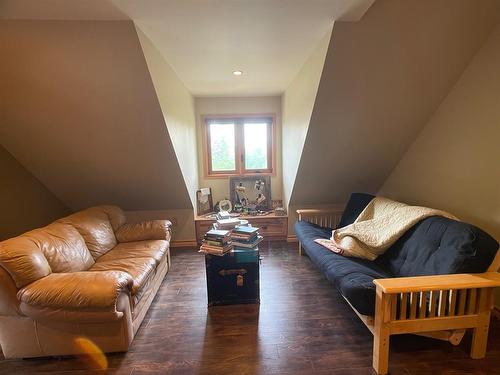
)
(271, 227)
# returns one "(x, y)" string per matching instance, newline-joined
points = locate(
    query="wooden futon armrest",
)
(325, 217)
(438, 282)
(319, 211)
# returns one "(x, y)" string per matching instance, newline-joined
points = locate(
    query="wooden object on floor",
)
(327, 217)
(272, 227)
(433, 310)
(440, 307)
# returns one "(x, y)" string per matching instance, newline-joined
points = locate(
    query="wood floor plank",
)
(302, 326)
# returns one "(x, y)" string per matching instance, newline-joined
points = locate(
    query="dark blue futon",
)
(434, 246)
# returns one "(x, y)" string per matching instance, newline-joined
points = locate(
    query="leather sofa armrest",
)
(146, 230)
(91, 294)
(9, 304)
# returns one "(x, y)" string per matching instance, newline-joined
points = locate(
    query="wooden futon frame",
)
(441, 307)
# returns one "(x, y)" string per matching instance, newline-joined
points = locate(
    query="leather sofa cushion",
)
(440, 246)
(150, 249)
(23, 259)
(96, 229)
(76, 290)
(63, 247)
(353, 277)
(140, 269)
(146, 230)
(115, 214)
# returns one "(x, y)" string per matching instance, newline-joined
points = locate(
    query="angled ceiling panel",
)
(78, 109)
(297, 106)
(383, 78)
(177, 105)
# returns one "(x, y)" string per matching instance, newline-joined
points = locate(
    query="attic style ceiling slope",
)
(204, 41)
(78, 109)
(383, 78)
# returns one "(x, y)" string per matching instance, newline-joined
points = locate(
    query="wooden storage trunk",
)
(233, 278)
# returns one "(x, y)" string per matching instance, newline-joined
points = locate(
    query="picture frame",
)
(204, 202)
(277, 204)
(253, 186)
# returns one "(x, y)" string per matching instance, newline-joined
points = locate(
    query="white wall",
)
(25, 203)
(297, 103)
(79, 111)
(454, 164)
(383, 78)
(177, 105)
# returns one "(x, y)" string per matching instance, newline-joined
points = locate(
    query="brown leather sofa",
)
(86, 275)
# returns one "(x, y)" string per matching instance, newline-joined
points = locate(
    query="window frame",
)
(239, 121)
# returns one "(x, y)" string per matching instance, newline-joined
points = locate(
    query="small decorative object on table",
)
(279, 211)
(276, 203)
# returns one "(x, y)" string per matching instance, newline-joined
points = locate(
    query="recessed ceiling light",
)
(237, 73)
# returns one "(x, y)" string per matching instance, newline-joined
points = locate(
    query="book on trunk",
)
(248, 244)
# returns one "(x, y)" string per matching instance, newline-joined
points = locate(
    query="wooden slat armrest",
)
(439, 282)
(321, 211)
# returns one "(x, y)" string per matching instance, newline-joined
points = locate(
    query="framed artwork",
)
(204, 201)
(251, 192)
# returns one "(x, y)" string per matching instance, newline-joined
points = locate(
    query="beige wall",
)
(25, 203)
(177, 105)
(297, 106)
(454, 164)
(383, 78)
(236, 106)
(82, 115)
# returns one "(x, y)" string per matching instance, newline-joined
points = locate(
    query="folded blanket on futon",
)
(379, 226)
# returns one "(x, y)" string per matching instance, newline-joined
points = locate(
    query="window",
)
(239, 145)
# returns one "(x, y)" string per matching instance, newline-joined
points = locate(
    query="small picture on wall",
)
(204, 201)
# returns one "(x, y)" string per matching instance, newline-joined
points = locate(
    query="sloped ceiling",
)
(204, 41)
(78, 109)
(177, 105)
(383, 78)
(60, 10)
(297, 106)
(269, 40)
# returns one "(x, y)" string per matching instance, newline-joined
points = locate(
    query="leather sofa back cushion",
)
(63, 247)
(116, 216)
(95, 227)
(437, 246)
(23, 259)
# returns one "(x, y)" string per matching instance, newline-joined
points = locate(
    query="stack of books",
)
(246, 237)
(227, 223)
(217, 242)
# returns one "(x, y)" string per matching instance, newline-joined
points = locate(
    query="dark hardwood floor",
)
(302, 326)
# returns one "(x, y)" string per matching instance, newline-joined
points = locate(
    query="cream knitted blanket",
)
(379, 226)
